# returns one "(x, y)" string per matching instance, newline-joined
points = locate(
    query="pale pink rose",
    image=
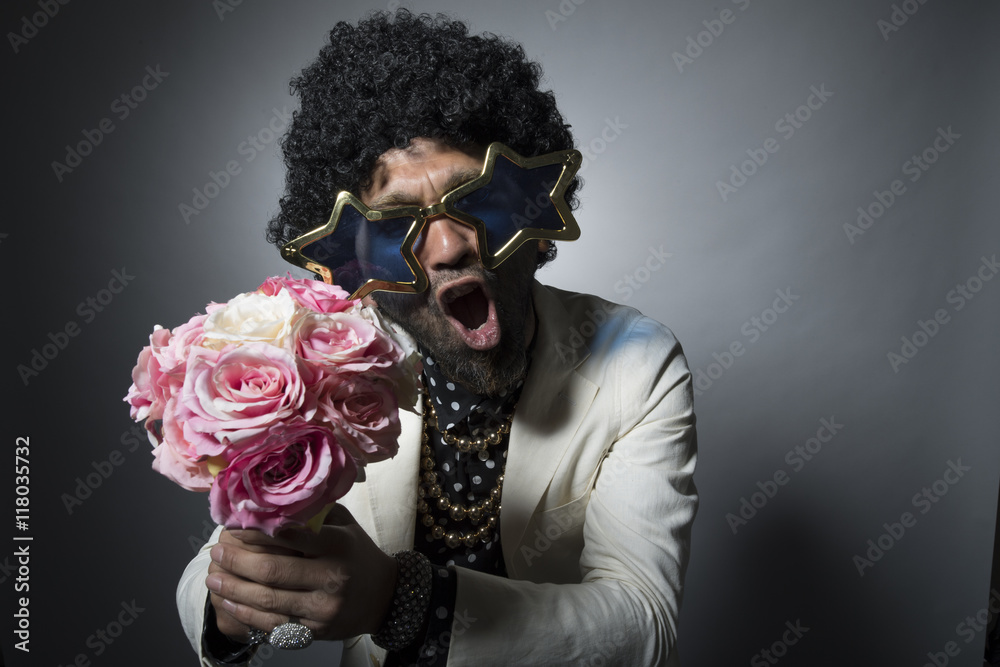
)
(237, 393)
(172, 350)
(171, 353)
(287, 476)
(140, 394)
(176, 457)
(251, 318)
(189, 473)
(145, 395)
(312, 294)
(363, 412)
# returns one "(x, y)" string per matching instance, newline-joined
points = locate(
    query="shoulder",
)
(584, 326)
(636, 360)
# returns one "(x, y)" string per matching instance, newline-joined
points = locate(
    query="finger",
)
(228, 625)
(235, 619)
(268, 622)
(275, 570)
(265, 599)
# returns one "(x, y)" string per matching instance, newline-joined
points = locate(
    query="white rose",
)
(251, 317)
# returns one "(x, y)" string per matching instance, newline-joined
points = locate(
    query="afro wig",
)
(392, 78)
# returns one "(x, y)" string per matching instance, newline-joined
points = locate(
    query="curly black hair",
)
(392, 78)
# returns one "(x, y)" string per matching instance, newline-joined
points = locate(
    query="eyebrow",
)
(394, 199)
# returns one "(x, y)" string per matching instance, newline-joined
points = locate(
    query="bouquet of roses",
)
(272, 401)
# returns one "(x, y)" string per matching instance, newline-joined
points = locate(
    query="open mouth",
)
(471, 311)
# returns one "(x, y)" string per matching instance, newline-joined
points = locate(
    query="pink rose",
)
(159, 371)
(402, 373)
(364, 413)
(343, 342)
(312, 294)
(237, 393)
(285, 478)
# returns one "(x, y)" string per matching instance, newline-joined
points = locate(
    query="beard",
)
(489, 372)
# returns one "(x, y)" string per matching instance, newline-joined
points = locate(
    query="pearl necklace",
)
(464, 443)
(484, 514)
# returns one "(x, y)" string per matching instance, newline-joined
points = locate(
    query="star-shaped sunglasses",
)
(515, 199)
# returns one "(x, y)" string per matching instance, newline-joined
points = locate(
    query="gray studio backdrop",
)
(803, 191)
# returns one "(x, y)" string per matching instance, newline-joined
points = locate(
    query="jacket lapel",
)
(554, 402)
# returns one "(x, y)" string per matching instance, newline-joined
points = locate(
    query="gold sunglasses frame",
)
(570, 160)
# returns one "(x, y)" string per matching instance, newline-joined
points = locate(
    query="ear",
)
(543, 246)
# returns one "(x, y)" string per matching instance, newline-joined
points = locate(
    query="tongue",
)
(474, 319)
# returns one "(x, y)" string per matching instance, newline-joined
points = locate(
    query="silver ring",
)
(257, 637)
(290, 636)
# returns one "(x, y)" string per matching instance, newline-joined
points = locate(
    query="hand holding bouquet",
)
(273, 400)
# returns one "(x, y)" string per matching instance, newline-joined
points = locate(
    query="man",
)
(539, 508)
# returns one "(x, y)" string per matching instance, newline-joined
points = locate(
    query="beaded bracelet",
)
(409, 602)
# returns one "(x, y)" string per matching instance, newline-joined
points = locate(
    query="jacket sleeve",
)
(191, 592)
(636, 534)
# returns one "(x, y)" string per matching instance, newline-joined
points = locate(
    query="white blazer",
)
(597, 505)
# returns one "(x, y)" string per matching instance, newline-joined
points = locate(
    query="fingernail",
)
(216, 553)
(229, 606)
(214, 583)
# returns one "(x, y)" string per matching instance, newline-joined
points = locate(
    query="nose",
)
(446, 243)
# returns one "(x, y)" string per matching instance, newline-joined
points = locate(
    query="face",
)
(475, 323)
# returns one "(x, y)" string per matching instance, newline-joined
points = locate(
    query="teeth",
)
(457, 292)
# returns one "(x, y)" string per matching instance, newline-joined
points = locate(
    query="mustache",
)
(491, 278)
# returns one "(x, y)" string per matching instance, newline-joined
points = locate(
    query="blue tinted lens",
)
(360, 250)
(514, 199)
